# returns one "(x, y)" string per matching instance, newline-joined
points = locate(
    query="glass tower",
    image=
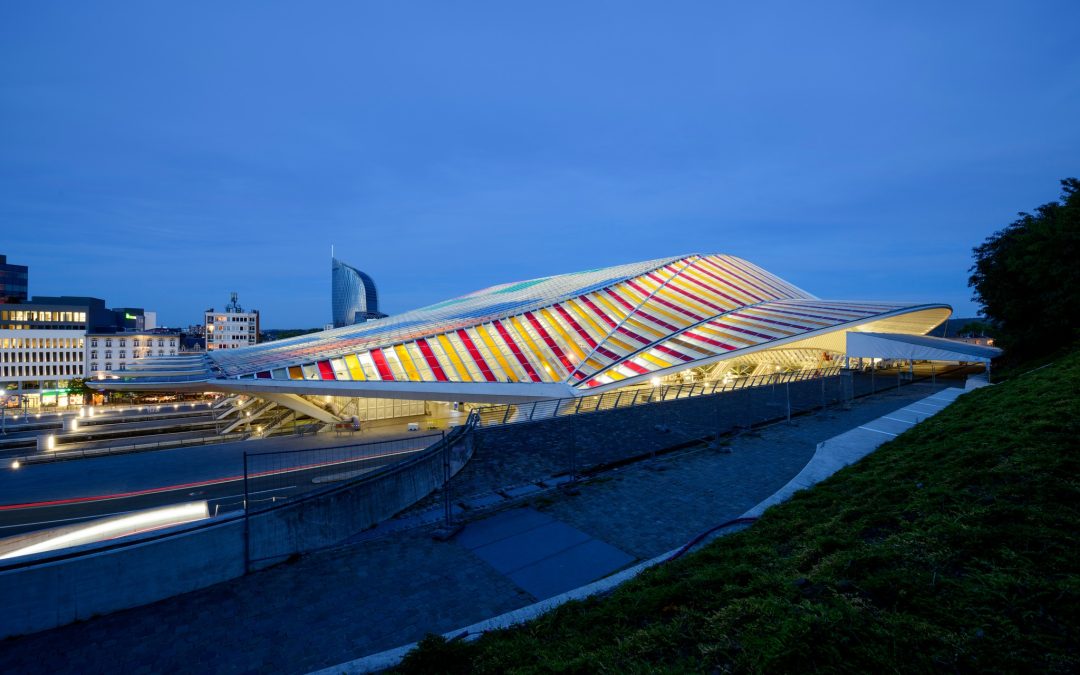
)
(354, 298)
(13, 281)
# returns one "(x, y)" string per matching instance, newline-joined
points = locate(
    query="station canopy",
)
(916, 348)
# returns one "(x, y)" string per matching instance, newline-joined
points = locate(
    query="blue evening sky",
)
(162, 154)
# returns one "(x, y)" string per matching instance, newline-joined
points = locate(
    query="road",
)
(48, 495)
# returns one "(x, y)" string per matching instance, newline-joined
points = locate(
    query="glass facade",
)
(14, 281)
(354, 298)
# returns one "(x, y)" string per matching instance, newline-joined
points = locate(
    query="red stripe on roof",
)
(727, 270)
(691, 296)
(432, 362)
(516, 351)
(672, 352)
(381, 364)
(325, 371)
(723, 280)
(607, 319)
(575, 325)
(709, 340)
(751, 317)
(476, 356)
(711, 289)
(673, 306)
(737, 329)
(549, 341)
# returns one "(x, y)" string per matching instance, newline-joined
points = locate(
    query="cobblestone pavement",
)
(337, 605)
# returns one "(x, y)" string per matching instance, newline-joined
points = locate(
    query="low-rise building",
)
(107, 351)
(43, 345)
(232, 328)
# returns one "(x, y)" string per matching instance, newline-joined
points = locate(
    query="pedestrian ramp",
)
(541, 555)
(851, 446)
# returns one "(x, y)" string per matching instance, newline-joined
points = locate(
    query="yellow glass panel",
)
(355, 369)
(581, 313)
(420, 363)
(739, 295)
(531, 345)
(653, 360)
(643, 328)
(562, 333)
(403, 356)
(510, 372)
(452, 355)
(618, 312)
(295, 373)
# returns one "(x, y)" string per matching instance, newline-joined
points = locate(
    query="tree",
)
(1027, 277)
(77, 387)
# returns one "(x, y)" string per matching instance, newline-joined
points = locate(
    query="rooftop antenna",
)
(331, 250)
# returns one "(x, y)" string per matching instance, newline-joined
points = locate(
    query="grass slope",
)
(953, 547)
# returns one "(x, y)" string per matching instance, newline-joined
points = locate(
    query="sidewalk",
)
(331, 607)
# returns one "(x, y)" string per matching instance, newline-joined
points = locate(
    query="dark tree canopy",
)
(1026, 276)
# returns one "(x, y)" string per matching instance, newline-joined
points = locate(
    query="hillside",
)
(953, 547)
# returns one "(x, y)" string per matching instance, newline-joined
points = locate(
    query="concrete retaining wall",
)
(331, 515)
(590, 439)
(54, 592)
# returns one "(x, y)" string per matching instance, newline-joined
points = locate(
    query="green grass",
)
(954, 547)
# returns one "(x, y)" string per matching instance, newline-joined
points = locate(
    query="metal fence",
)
(568, 438)
(630, 397)
(301, 501)
(276, 476)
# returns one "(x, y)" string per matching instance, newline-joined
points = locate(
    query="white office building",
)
(119, 351)
(232, 328)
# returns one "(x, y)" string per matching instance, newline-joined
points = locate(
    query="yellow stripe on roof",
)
(497, 353)
(406, 361)
(356, 371)
(452, 355)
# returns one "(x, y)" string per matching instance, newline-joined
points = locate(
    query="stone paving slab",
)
(540, 554)
(570, 568)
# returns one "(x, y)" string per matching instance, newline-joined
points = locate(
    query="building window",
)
(108, 342)
(93, 342)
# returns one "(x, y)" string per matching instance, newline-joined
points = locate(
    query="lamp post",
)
(3, 413)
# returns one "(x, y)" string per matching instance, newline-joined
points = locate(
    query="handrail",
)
(498, 415)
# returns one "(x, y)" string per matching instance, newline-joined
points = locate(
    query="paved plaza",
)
(336, 605)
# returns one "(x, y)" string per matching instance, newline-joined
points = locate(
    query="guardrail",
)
(628, 398)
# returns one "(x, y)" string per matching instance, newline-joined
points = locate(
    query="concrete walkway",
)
(830, 456)
(374, 595)
(851, 446)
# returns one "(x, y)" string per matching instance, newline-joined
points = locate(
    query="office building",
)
(232, 328)
(119, 351)
(354, 298)
(43, 344)
(14, 281)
